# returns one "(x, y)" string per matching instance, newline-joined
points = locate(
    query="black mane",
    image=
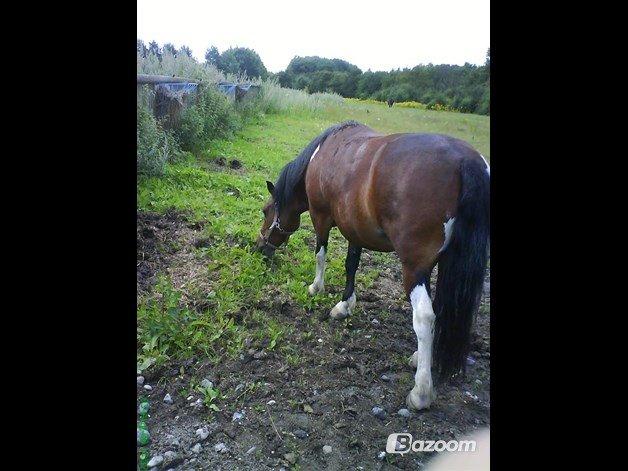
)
(292, 173)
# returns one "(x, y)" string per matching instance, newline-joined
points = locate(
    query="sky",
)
(375, 35)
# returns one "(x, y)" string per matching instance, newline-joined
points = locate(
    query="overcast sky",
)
(376, 35)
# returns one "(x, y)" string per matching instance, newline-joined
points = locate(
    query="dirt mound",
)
(160, 237)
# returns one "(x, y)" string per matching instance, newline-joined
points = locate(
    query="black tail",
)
(461, 271)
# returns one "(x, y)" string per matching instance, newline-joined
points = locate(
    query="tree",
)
(170, 48)
(141, 48)
(240, 60)
(186, 50)
(212, 56)
(153, 48)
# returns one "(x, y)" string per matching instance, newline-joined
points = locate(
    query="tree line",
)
(464, 88)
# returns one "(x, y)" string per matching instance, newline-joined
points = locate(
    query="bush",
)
(154, 145)
(211, 117)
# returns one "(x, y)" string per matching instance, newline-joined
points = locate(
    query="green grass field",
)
(229, 203)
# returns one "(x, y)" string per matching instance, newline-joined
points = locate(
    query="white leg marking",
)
(447, 228)
(343, 308)
(314, 153)
(319, 280)
(423, 317)
(488, 168)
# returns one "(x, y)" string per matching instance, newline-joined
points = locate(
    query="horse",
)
(425, 197)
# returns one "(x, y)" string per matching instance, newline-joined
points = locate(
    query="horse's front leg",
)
(344, 307)
(322, 226)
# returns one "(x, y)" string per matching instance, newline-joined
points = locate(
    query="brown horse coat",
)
(425, 196)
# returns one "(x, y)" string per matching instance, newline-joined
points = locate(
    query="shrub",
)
(154, 145)
(212, 116)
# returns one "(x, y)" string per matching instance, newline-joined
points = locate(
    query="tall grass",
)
(212, 116)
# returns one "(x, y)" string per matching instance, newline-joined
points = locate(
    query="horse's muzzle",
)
(263, 248)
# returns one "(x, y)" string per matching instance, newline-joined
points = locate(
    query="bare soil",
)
(292, 410)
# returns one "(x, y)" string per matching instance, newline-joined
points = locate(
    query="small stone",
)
(207, 384)
(260, 355)
(155, 461)
(385, 378)
(148, 387)
(202, 433)
(170, 455)
(378, 412)
(197, 448)
(472, 396)
(271, 402)
(381, 455)
(221, 448)
(307, 408)
(251, 450)
(140, 380)
(237, 416)
(189, 398)
(404, 413)
(375, 322)
(300, 433)
(327, 449)
(239, 387)
(168, 399)
(470, 361)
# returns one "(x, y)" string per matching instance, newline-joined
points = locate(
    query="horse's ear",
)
(270, 186)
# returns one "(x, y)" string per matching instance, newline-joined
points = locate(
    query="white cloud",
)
(380, 35)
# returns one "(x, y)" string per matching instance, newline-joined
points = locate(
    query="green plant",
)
(154, 145)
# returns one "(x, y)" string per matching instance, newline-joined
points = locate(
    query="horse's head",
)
(277, 226)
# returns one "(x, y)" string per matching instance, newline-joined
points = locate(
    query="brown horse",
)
(424, 196)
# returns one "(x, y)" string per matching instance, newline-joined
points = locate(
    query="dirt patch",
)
(163, 241)
(323, 396)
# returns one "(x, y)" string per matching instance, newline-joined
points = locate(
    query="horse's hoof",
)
(314, 289)
(419, 400)
(413, 360)
(340, 311)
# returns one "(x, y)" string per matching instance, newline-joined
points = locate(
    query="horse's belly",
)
(371, 238)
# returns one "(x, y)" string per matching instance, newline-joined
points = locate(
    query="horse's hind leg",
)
(322, 226)
(416, 282)
(344, 307)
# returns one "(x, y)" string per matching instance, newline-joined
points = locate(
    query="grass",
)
(230, 203)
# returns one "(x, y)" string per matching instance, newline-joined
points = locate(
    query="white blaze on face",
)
(315, 152)
(488, 168)
(319, 279)
(423, 317)
(448, 227)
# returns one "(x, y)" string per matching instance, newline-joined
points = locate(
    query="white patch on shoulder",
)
(488, 168)
(448, 227)
(314, 153)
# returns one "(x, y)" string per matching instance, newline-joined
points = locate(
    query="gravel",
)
(221, 448)
(202, 433)
(155, 461)
(378, 412)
